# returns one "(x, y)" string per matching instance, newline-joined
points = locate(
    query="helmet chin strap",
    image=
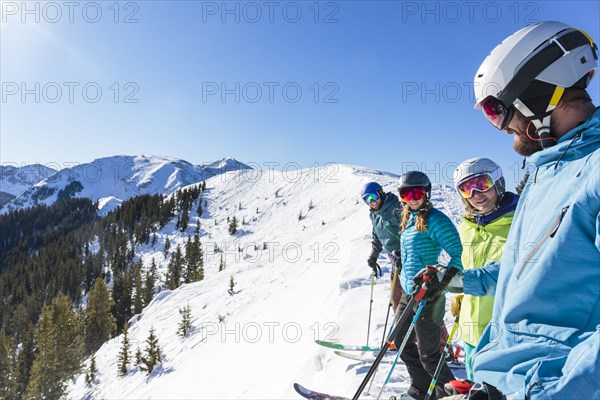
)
(542, 130)
(541, 122)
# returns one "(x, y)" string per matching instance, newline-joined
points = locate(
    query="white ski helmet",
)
(480, 166)
(530, 70)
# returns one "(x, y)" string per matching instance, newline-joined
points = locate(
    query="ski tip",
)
(301, 389)
(331, 345)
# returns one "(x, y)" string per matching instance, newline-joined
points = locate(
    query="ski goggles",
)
(371, 197)
(412, 193)
(497, 113)
(481, 183)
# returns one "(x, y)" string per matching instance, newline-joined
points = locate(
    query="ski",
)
(346, 347)
(312, 395)
(369, 357)
(456, 364)
(366, 357)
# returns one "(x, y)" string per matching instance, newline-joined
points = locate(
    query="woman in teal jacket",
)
(425, 232)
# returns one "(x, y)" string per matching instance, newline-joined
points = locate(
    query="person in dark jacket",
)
(385, 209)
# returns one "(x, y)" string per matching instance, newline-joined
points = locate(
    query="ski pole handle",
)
(426, 277)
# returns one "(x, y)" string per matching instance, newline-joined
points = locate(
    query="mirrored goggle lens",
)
(371, 197)
(481, 183)
(496, 113)
(416, 193)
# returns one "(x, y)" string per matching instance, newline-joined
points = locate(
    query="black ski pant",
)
(422, 356)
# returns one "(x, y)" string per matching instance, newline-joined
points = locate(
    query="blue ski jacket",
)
(543, 341)
(420, 249)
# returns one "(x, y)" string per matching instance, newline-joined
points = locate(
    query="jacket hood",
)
(588, 141)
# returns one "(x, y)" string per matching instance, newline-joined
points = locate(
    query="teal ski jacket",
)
(543, 341)
(386, 225)
(420, 249)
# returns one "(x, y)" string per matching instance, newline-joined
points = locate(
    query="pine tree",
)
(123, 359)
(233, 225)
(167, 247)
(175, 269)
(122, 297)
(153, 353)
(99, 322)
(25, 360)
(194, 261)
(231, 289)
(149, 282)
(7, 374)
(90, 375)
(186, 321)
(185, 218)
(300, 216)
(221, 264)
(59, 347)
(138, 298)
(521, 185)
(199, 210)
(138, 358)
(311, 205)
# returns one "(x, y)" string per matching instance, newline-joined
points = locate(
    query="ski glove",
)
(372, 262)
(455, 306)
(458, 386)
(433, 286)
(479, 391)
(396, 259)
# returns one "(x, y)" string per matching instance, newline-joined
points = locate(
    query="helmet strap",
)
(542, 131)
(541, 122)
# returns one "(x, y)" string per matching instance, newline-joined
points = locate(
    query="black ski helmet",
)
(415, 179)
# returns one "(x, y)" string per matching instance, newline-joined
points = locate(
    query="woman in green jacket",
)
(489, 213)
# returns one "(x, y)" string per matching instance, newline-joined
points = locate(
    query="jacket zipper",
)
(549, 234)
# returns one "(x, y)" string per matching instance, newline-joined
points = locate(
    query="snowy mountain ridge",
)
(299, 263)
(14, 180)
(112, 180)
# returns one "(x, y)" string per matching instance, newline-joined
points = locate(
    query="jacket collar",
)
(582, 139)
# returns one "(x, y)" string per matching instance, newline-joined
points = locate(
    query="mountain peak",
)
(118, 178)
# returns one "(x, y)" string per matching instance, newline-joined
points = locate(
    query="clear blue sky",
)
(384, 84)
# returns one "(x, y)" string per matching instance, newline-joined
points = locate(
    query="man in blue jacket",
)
(543, 341)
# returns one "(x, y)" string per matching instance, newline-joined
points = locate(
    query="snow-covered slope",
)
(311, 282)
(16, 180)
(112, 180)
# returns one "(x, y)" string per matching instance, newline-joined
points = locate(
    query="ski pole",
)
(370, 305)
(401, 321)
(389, 336)
(440, 365)
(387, 316)
(410, 329)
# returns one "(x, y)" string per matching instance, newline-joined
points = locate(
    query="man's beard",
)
(523, 144)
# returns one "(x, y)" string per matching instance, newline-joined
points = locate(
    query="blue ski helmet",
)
(370, 188)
